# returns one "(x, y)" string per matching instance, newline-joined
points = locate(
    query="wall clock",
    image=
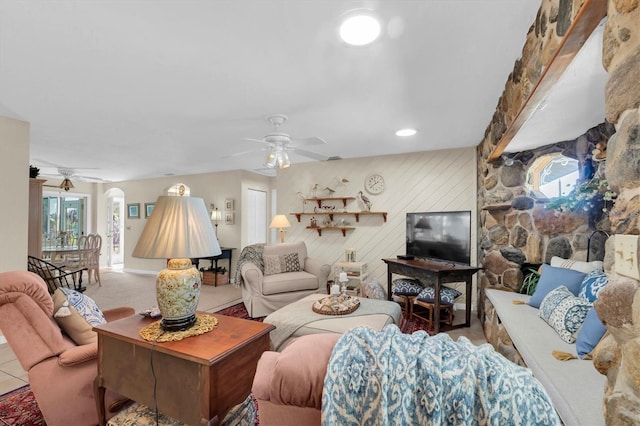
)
(374, 184)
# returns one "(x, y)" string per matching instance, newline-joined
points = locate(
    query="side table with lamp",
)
(193, 375)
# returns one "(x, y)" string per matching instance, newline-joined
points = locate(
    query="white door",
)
(256, 216)
(115, 236)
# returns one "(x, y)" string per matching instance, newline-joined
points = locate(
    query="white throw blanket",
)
(298, 314)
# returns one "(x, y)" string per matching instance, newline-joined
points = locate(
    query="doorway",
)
(115, 225)
(256, 216)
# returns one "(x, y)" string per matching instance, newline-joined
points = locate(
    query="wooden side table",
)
(197, 379)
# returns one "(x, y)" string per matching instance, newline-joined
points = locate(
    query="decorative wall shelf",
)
(331, 214)
(319, 200)
(343, 229)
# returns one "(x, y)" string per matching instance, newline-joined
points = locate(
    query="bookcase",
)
(356, 272)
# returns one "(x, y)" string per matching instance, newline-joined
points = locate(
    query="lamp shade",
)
(216, 215)
(279, 221)
(178, 227)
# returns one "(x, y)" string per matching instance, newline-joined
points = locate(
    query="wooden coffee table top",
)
(229, 335)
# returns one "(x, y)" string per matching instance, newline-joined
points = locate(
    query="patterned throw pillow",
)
(564, 312)
(592, 284)
(278, 264)
(77, 314)
(406, 287)
(372, 289)
(551, 278)
(447, 295)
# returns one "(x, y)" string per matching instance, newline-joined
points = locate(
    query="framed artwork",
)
(133, 211)
(148, 208)
(228, 204)
(228, 218)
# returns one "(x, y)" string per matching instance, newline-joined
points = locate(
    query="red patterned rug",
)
(238, 311)
(19, 408)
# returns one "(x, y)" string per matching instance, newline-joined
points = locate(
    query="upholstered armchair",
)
(61, 373)
(282, 274)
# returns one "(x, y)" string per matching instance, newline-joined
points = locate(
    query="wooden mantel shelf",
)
(331, 214)
(343, 229)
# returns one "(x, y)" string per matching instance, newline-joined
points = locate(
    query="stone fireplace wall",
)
(514, 229)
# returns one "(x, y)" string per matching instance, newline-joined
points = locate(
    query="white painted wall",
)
(14, 173)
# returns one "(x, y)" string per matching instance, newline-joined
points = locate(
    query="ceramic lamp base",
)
(177, 294)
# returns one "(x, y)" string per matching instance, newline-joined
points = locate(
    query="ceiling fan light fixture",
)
(271, 160)
(283, 160)
(360, 29)
(66, 184)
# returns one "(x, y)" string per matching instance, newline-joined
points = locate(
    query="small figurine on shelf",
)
(314, 222)
(303, 199)
(314, 191)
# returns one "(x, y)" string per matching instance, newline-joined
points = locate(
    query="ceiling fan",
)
(278, 144)
(66, 173)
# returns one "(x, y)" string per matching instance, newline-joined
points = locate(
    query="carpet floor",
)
(19, 408)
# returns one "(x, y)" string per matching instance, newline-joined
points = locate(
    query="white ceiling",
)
(123, 90)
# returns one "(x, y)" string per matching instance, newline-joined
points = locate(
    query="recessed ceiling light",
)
(406, 132)
(360, 29)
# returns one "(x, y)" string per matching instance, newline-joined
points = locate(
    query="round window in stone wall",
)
(552, 175)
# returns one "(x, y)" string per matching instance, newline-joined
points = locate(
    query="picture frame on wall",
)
(228, 204)
(133, 211)
(228, 218)
(148, 209)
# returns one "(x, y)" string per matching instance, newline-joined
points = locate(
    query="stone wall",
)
(513, 228)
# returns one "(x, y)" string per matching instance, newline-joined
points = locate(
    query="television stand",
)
(434, 271)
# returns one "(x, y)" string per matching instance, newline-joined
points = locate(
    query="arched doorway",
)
(115, 225)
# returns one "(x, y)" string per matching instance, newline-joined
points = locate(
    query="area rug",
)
(238, 311)
(19, 408)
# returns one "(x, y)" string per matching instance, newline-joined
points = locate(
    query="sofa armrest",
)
(78, 354)
(118, 313)
(317, 268)
(252, 277)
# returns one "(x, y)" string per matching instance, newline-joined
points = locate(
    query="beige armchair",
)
(61, 373)
(279, 280)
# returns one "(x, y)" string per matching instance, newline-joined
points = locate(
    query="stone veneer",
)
(514, 229)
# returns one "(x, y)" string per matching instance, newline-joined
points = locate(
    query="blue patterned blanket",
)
(390, 378)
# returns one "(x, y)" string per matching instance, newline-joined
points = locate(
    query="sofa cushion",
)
(279, 263)
(448, 295)
(576, 265)
(564, 312)
(552, 278)
(286, 248)
(592, 284)
(288, 282)
(77, 314)
(407, 287)
(372, 289)
(589, 334)
(298, 377)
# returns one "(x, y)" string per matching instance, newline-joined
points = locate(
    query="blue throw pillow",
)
(590, 334)
(592, 284)
(406, 287)
(552, 278)
(447, 295)
(564, 312)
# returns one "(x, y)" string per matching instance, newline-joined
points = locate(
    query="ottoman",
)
(298, 319)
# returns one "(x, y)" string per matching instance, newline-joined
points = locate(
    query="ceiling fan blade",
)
(238, 154)
(90, 178)
(309, 154)
(308, 141)
(257, 140)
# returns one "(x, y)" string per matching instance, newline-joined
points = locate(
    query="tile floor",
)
(12, 376)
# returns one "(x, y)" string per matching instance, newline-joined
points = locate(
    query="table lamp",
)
(179, 229)
(280, 221)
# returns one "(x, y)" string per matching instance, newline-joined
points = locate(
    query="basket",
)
(326, 306)
(209, 278)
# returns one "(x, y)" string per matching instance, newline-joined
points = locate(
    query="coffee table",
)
(197, 379)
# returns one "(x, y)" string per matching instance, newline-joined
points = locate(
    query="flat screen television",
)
(440, 236)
